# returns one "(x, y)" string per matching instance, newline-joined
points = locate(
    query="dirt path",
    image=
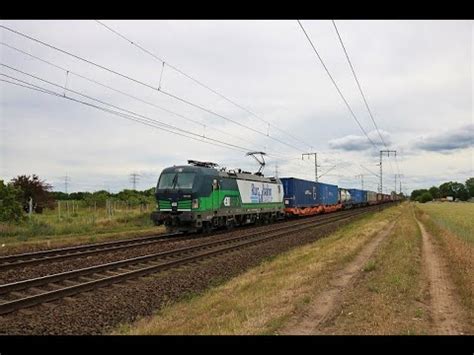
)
(321, 308)
(445, 310)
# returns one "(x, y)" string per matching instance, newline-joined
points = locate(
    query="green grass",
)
(370, 266)
(86, 221)
(458, 218)
(453, 235)
(384, 301)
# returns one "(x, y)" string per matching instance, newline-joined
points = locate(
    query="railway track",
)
(60, 254)
(27, 293)
(33, 258)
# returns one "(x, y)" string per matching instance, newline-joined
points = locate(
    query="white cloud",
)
(408, 69)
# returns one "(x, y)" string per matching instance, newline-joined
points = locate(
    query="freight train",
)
(199, 197)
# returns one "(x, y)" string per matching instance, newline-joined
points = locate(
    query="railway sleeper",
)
(71, 283)
(86, 279)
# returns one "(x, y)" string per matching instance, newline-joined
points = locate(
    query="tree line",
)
(456, 190)
(15, 197)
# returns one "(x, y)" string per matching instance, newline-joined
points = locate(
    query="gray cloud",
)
(359, 143)
(266, 66)
(458, 138)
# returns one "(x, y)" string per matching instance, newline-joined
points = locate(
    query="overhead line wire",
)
(200, 83)
(122, 109)
(161, 124)
(117, 113)
(362, 92)
(144, 84)
(122, 92)
(335, 84)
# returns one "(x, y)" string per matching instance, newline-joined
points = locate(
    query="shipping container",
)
(344, 196)
(328, 194)
(358, 196)
(303, 193)
(371, 197)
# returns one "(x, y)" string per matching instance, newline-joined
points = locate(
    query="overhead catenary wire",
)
(336, 86)
(117, 113)
(134, 43)
(133, 114)
(122, 92)
(361, 91)
(129, 112)
(358, 84)
(144, 84)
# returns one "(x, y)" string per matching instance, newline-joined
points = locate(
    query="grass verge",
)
(457, 218)
(458, 251)
(48, 230)
(263, 298)
(389, 296)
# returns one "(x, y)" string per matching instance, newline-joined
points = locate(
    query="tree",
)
(470, 186)
(59, 195)
(10, 207)
(417, 193)
(434, 191)
(98, 198)
(150, 192)
(425, 197)
(38, 190)
(446, 189)
(460, 191)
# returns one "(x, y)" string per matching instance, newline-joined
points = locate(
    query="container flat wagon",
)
(303, 197)
(358, 197)
(371, 198)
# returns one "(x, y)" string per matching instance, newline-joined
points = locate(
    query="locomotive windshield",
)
(175, 181)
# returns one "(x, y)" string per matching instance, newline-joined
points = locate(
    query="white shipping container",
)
(260, 192)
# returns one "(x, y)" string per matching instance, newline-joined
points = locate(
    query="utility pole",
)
(315, 163)
(134, 177)
(400, 182)
(388, 155)
(276, 170)
(66, 182)
(361, 176)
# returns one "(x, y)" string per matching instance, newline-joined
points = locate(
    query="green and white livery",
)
(199, 197)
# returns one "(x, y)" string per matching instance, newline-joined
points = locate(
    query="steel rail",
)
(37, 257)
(59, 254)
(145, 265)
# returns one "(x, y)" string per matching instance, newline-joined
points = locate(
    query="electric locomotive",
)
(199, 197)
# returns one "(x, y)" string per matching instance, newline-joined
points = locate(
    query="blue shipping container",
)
(358, 196)
(304, 193)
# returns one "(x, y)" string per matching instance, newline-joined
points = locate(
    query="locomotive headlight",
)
(195, 203)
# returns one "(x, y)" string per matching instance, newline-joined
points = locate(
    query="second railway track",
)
(61, 254)
(18, 295)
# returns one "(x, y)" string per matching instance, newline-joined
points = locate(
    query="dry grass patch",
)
(388, 298)
(262, 299)
(459, 253)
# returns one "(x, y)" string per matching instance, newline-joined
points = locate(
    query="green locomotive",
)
(200, 197)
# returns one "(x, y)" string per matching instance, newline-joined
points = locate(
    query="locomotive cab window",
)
(176, 181)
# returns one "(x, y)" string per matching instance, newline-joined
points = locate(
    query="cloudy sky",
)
(416, 75)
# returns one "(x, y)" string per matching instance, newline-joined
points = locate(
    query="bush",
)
(10, 207)
(425, 197)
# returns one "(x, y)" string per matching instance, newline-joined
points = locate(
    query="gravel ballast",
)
(102, 310)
